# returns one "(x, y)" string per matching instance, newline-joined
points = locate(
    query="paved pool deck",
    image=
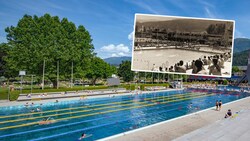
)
(208, 125)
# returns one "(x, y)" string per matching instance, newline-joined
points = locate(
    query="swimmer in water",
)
(47, 121)
(190, 105)
(82, 136)
(38, 109)
(27, 104)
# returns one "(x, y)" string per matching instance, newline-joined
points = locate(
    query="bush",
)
(142, 86)
(129, 87)
(15, 94)
(225, 82)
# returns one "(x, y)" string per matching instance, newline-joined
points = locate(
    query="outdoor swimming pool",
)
(103, 117)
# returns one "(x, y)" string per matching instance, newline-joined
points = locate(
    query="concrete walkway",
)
(193, 125)
(230, 129)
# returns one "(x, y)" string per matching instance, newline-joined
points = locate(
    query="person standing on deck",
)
(217, 105)
(220, 104)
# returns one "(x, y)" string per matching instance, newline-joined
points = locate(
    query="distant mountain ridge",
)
(241, 58)
(241, 44)
(116, 61)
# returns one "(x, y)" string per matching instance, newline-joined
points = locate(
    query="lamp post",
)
(31, 84)
(57, 79)
(152, 78)
(72, 65)
(8, 90)
(43, 74)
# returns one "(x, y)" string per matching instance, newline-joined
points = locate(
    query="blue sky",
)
(110, 22)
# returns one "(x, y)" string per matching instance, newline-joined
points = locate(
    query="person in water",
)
(47, 121)
(82, 136)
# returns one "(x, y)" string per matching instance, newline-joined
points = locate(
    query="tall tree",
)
(99, 69)
(48, 38)
(125, 72)
(3, 53)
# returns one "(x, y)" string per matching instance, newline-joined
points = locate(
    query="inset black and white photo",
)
(182, 45)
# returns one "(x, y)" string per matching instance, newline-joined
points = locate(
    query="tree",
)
(99, 69)
(125, 72)
(235, 69)
(48, 38)
(3, 55)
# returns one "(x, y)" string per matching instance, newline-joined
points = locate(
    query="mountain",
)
(183, 25)
(116, 61)
(241, 44)
(240, 58)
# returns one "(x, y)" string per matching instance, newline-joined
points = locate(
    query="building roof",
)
(242, 67)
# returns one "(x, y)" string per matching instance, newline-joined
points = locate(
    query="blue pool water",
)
(103, 117)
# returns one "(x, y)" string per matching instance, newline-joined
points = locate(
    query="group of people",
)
(218, 105)
(215, 65)
(202, 86)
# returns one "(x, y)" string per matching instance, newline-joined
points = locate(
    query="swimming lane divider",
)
(82, 111)
(110, 111)
(81, 107)
(75, 123)
(93, 127)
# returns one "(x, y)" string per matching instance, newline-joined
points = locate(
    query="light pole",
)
(72, 65)
(8, 90)
(31, 84)
(158, 77)
(21, 89)
(57, 86)
(152, 78)
(43, 74)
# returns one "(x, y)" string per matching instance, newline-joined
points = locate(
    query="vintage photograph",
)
(183, 45)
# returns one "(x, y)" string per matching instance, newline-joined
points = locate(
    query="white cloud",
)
(115, 48)
(121, 54)
(114, 55)
(131, 35)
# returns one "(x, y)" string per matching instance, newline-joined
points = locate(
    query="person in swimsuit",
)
(47, 120)
(228, 114)
(83, 136)
(220, 103)
(217, 105)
